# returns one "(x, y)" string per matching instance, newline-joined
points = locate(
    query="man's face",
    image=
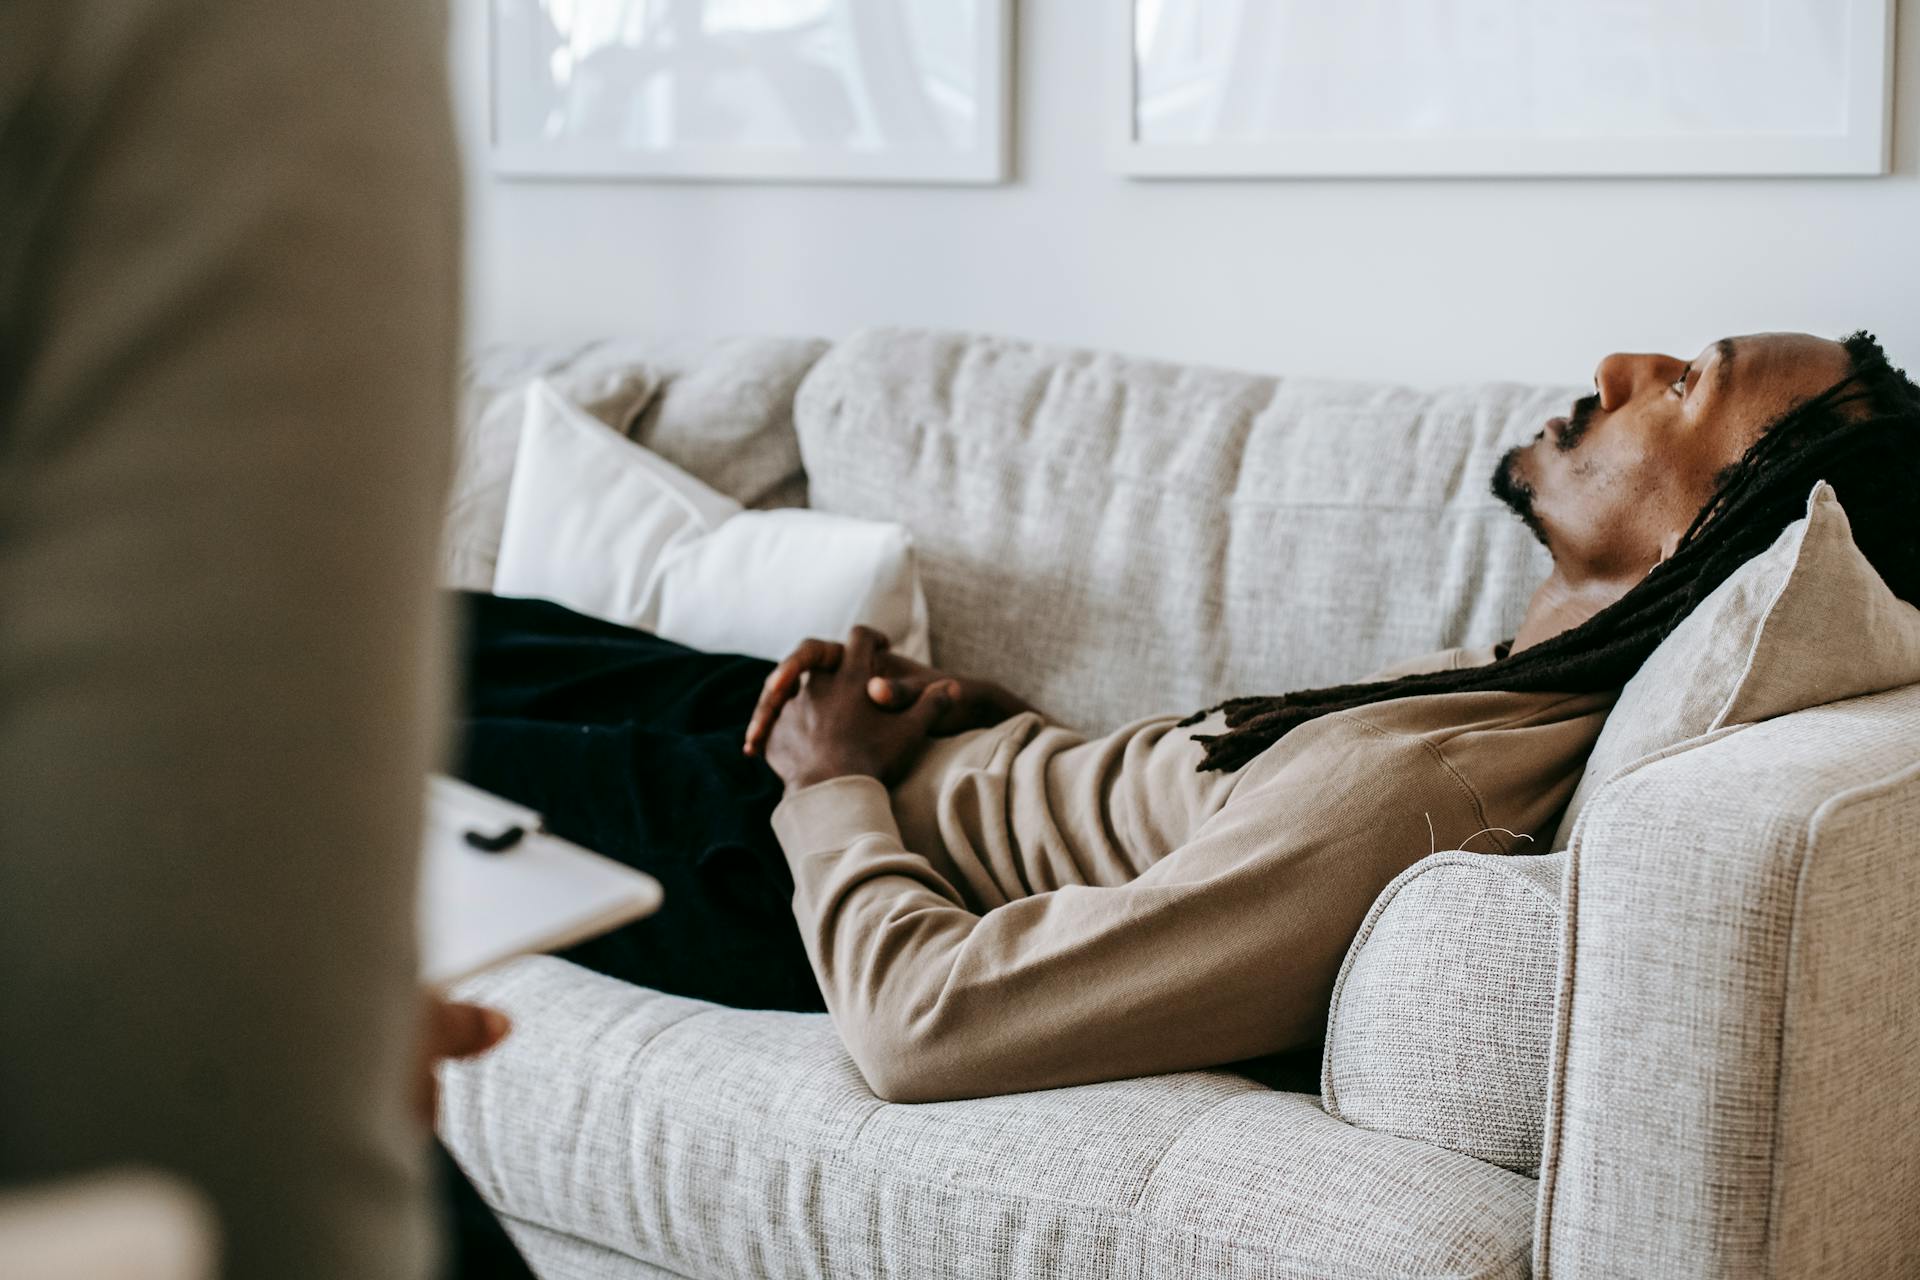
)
(1612, 487)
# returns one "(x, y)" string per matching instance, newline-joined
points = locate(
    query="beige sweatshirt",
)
(1029, 908)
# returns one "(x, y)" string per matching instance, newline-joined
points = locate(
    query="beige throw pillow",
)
(1807, 621)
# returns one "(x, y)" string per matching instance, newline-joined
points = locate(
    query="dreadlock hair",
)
(1861, 435)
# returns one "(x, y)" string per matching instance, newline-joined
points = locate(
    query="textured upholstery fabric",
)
(722, 410)
(1736, 1090)
(1443, 1012)
(1806, 622)
(554, 1255)
(1734, 1086)
(1112, 537)
(716, 1142)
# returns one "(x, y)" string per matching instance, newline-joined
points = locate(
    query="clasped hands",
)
(834, 710)
(828, 710)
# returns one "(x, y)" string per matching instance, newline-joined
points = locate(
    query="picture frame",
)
(1161, 128)
(788, 91)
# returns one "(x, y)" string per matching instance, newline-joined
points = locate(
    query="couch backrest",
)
(719, 408)
(1113, 537)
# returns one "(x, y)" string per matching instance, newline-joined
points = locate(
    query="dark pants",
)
(630, 745)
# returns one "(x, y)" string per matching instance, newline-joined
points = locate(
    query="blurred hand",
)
(449, 1029)
(895, 683)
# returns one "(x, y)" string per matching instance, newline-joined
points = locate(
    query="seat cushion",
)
(1113, 537)
(1442, 1014)
(618, 1123)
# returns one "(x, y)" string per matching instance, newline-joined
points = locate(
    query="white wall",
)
(1421, 281)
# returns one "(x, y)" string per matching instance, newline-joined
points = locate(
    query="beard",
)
(1511, 488)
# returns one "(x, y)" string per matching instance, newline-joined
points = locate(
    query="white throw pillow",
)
(1806, 622)
(609, 528)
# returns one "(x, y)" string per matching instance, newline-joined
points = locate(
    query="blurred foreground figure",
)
(228, 289)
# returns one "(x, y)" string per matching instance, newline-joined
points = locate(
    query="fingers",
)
(781, 684)
(864, 646)
(465, 1030)
(863, 651)
(933, 703)
(894, 692)
(960, 712)
(451, 1030)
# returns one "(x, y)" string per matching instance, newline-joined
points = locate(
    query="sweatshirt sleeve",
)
(1225, 949)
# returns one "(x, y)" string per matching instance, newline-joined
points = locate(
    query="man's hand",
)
(895, 684)
(450, 1030)
(831, 728)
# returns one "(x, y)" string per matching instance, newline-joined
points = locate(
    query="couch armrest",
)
(1736, 1084)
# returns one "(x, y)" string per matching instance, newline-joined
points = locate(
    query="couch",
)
(1683, 1046)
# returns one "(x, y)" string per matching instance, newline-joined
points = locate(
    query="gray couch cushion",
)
(721, 409)
(1441, 1017)
(705, 1141)
(1113, 537)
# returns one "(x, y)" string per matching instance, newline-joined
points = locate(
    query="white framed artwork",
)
(750, 90)
(1424, 88)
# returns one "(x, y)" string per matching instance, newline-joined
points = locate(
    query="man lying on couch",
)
(987, 902)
